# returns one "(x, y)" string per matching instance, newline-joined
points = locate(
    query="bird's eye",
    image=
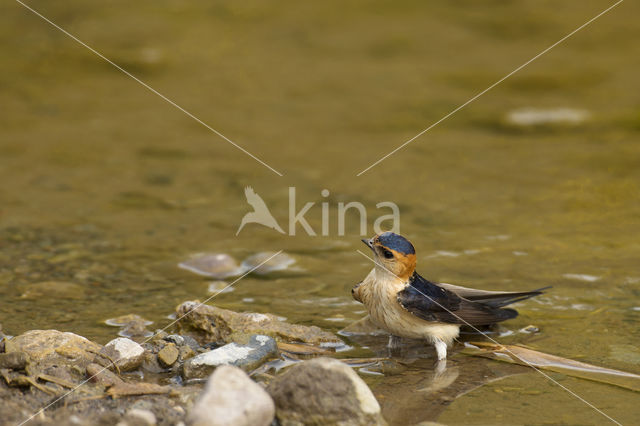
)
(387, 254)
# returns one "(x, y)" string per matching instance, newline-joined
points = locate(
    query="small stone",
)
(127, 354)
(101, 375)
(216, 265)
(168, 355)
(139, 417)
(232, 398)
(323, 391)
(256, 352)
(54, 289)
(272, 263)
(14, 360)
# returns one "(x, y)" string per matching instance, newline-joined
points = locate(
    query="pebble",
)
(230, 397)
(127, 354)
(323, 391)
(138, 417)
(216, 265)
(168, 355)
(276, 263)
(257, 351)
(548, 116)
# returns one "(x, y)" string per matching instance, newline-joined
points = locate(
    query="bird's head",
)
(393, 253)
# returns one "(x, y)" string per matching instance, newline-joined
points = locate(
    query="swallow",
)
(403, 303)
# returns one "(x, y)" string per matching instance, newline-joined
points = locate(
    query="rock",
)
(14, 360)
(133, 326)
(278, 262)
(183, 340)
(256, 352)
(138, 417)
(216, 265)
(216, 324)
(231, 398)
(168, 355)
(53, 346)
(323, 391)
(219, 287)
(125, 353)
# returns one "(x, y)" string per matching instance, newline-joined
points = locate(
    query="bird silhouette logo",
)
(260, 213)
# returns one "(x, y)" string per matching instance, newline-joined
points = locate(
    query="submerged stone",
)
(216, 265)
(213, 324)
(256, 352)
(232, 398)
(278, 262)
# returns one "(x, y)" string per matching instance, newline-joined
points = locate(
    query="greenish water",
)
(106, 186)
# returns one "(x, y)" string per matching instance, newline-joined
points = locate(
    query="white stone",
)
(231, 398)
(126, 353)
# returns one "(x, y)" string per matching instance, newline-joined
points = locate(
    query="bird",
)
(260, 213)
(403, 303)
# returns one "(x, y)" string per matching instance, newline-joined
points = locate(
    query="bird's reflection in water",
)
(414, 387)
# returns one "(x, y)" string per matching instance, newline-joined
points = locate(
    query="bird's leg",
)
(394, 342)
(394, 345)
(441, 349)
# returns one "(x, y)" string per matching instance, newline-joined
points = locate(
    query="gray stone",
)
(257, 351)
(231, 398)
(125, 353)
(323, 391)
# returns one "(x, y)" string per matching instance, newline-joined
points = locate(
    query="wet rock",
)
(168, 355)
(273, 263)
(216, 265)
(53, 346)
(256, 352)
(232, 398)
(216, 324)
(14, 360)
(125, 353)
(133, 326)
(323, 391)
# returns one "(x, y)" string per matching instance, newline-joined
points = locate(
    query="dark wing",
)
(430, 302)
(493, 299)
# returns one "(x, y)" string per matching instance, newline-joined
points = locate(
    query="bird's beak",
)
(369, 243)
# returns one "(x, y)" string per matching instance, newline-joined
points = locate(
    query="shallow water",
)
(106, 186)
